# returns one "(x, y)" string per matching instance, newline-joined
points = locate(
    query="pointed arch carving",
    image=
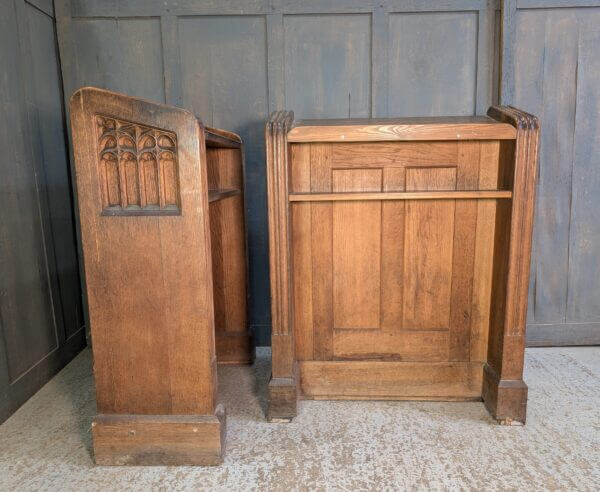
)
(138, 168)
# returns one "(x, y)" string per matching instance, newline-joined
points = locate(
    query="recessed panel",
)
(432, 63)
(327, 65)
(356, 252)
(123, 55)
(428, 247)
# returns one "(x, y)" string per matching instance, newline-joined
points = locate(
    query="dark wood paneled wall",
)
(382, 58)
(234, 61)
(41, 322)
(556, 76)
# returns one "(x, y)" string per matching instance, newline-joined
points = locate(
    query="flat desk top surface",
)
(401, 129)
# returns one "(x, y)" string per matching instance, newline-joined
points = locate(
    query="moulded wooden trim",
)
(403, 195)
(282, 338)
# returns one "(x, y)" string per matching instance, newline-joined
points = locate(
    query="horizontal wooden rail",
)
(401, 195)
(215, 195)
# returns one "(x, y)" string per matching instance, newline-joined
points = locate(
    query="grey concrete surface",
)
(340, 445)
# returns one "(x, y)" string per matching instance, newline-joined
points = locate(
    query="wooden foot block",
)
(506, 400)
(233, 348)
(283, 396)
(159, 439)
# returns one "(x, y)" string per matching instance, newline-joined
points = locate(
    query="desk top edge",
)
(400, 129)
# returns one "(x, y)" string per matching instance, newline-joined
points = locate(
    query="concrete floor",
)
(333, 445)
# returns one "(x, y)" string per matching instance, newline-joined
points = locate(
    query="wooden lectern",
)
(399, 257)
(157, 191)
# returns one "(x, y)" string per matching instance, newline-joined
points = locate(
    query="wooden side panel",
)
(229, 264)
(429, 232)
(148, 277)
(357, 252)
(280, 256)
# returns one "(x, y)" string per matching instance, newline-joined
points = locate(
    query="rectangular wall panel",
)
(432, 63)
(48, 102)
(124, 55)
(328, 65)
(557, 68)
(223, 67)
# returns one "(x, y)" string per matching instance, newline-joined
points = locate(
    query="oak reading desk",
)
(162, 228)
(399, 257)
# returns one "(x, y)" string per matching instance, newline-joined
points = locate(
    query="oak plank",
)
(392, 252)
(428, 239)
(303, 275)
(484, 244)
(322, 253)
(393, 154)
(356, 229)
(413, 345)
(376, 380)
(302, 253)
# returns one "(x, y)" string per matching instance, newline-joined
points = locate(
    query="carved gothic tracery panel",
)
(138, 169)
